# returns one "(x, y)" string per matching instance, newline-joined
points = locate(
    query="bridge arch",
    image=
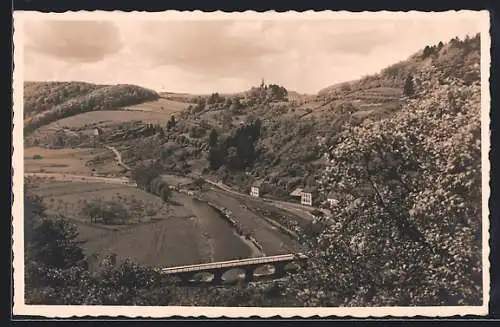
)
(233, 275)
(264, 270)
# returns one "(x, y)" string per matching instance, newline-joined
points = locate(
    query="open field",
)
(67, 198)
(107, 117)
(81, 161)
(162, 105)
(61, 160)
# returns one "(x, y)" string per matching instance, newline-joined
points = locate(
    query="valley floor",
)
(185, 231)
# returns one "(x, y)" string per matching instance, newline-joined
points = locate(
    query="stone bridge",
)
(187, 274)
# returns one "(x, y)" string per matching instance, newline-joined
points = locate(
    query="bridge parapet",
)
(218, 269)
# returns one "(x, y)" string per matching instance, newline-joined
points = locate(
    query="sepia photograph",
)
(251, 164)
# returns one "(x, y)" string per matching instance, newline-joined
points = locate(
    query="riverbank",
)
(226, 214)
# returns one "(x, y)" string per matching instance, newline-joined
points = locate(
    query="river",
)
(219, 239)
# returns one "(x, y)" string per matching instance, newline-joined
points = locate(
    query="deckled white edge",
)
(161, 312)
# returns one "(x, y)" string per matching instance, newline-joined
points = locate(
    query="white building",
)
(308, 196)
(255, 189)
(332, 199)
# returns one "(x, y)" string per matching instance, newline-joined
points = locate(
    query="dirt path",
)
(118, 156)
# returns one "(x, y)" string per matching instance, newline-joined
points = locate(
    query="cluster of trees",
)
(98, 98)
(50, 240)
(148, 177)
(432, 50)
(144, 174)
(237, 150)
(133, 131)
(215, 98)
(197, 131)
(107, 212)
(289, 153)
(60, 139)
(468, 43)
(267, 93)
(396, 74)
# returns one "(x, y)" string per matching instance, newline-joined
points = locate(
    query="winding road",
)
(299, 209)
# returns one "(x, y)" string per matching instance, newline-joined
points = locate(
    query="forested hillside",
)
(408, 217)
(45, 102)
(288, 148)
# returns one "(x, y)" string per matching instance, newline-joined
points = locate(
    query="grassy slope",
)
(45, 102)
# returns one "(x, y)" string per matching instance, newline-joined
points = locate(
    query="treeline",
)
(94, 98)
(451, 57)
(451, 60)
(41, 96)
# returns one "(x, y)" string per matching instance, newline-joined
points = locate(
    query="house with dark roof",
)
(297, 192)
(255, 189)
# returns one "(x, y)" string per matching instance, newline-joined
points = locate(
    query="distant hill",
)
(45, 102)
(452, 58)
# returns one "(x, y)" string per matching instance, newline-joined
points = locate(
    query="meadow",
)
(79, 161)
(162, 105)
(110, 117)
(156, 233)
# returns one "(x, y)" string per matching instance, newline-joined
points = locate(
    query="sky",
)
(204, 56)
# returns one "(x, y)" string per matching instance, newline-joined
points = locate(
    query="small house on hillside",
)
(309, 196)
(97, 135)
(255, 189)
(332, 198)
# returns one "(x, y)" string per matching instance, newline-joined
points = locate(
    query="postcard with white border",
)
(251, 164)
